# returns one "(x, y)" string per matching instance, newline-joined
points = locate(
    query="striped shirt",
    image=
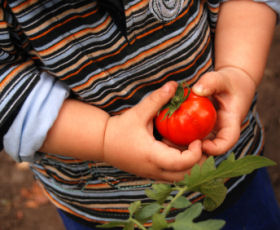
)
(80, 45)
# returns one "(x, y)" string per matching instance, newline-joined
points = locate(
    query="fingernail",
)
(166, 88)
(198, 88)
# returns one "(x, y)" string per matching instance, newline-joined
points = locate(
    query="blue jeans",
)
(257, 209)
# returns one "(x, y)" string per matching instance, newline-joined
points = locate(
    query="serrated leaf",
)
(148, 211)
(159, 192)
(113, 224)
(134, 207)
(195, 174)
(190, 213)
(215, 193)
(208, 166)
(159, 222)
(242, 166)
(185, 220)
(227, 169)
(181, 202)
(207, 178)
(231, 157)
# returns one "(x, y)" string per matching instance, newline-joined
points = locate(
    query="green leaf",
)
(159, 192)
(113, 224)
(211, 224)
(231, 157)
(215, 193)
(148, 211)
(198, 171)
(242, 166)
(190, 213)
(180, 91)
(185, 220)
(134, 207)
(159, 222)
(227, 169)
(195, 174)
(208, 179)
(181, 202)
(177, 100)
(129, 226)
(208, 166)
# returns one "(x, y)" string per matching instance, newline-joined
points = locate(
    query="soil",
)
(24, 207)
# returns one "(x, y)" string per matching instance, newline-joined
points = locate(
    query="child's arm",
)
(125, 141)
(243, 36)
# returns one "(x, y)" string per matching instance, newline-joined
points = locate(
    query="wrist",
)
(104, 139)
(243, 75)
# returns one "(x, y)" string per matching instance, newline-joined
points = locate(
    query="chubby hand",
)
(233, 91)
(129, 143)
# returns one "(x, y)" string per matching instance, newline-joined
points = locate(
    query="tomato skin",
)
(194, 119)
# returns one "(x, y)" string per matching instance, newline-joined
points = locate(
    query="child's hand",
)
(233, 89)
(129, 143)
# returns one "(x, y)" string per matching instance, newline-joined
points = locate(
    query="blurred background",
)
(24, 207)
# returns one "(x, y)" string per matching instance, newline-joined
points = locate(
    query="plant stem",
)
(181, 191)
(141, 226)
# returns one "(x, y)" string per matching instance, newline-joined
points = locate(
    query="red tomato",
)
(194, 119)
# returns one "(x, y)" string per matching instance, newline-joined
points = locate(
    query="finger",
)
(170, 176)
(171, 159)
(171, 144)
(209, 84)
(227, 136)
(150, 105)
(167, 176)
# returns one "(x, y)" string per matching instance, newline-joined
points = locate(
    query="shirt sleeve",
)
(21, 81)
(36, 116)
(18, 72)
(274, 4)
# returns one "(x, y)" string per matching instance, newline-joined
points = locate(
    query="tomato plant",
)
(186, 117)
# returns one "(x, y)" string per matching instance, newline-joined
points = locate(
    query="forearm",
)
(77, 132)
(243, 37)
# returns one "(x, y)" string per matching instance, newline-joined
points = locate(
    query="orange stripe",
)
(167, 24)
(77, 34)
(40, 170)
(142, 55)
(207, 65)
(198, 199)
(62, 23)
(136, 6)
(23, 5)
(64, 160)
(65, 181)
(244, 125)
(5, 4)
(110, 210)
(3, 24)
(117, 52)
(13, 72)
(91, 61)
(78, 71)
(214, 10)
(66, 209)
(154, 82)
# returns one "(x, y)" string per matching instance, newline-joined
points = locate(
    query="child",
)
(81, 82)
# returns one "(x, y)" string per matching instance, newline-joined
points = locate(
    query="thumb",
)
(209, 84)
(150, 105)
